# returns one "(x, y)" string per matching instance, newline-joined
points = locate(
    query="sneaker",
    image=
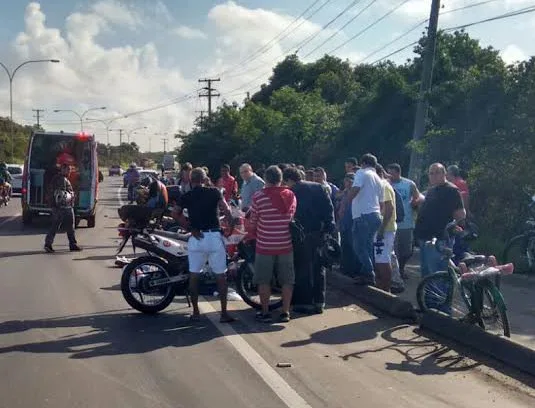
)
(284, 317)
(75, 248)
(263, 317)
(49, 249)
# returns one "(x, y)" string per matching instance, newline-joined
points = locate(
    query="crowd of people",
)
(295, 214)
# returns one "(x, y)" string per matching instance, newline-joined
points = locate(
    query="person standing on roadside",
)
(316, 215)
(185, 178)
(251, 184)
(272, 209)
(61, 199)
(349, 263)
(442, 205)
(366, 196)
(320, 176)
(410, 197)
(227, 182)
(351, 165)
(384, 240)
(206, 241)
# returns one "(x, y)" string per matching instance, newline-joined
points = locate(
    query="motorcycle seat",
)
(172, 235)
(471, 259)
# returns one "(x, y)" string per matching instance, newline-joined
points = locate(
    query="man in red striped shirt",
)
(272, 209)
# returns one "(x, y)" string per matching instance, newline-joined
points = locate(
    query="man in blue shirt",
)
(251, 184)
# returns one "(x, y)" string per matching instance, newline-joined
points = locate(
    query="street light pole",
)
(81, 117)
(11, 75)
(107, 124)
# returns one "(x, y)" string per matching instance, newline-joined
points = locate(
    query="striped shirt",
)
(268, 224)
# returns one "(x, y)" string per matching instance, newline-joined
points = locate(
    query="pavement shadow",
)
(421, 355)
(107, 334)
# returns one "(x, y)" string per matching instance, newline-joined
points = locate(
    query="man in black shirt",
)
(315, 213)
(206, 243)
(442, 205)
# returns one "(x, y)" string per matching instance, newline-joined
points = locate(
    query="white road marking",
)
(10, 219)
(273, 379)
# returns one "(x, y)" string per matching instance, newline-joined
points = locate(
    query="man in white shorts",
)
(206, 241)
(384, 240)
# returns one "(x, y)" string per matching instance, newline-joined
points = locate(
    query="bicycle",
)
(475, 281)
(520, 249)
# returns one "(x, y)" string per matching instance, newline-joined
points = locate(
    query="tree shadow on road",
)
(61, 251)
(110, 334)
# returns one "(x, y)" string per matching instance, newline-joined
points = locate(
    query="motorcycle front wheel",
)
(137, 285)
(249, 291)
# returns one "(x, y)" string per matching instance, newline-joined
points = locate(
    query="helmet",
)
(133, 165)
(330, 251)
(63, 198)
(3, 165)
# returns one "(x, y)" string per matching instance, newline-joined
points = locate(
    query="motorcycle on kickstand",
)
(150, 282)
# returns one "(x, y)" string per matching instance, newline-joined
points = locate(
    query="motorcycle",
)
(162, 273)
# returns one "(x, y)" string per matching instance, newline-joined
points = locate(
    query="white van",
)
(47, 151)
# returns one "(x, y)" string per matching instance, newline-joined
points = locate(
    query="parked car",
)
(115, 170)
(16, 174)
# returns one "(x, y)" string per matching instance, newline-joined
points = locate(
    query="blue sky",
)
(139, 54)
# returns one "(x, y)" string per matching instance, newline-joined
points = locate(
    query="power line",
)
(418, 25)
(392, 10)
(279, 36)
(340, 29)
(515, 13)
(314, 35)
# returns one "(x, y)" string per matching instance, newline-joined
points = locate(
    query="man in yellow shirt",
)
(384, 240)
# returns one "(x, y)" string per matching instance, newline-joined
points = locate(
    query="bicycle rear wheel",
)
(435, 292)
(493, 311)
(517, 252)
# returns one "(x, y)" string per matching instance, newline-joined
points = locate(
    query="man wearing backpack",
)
(410, 198)
(61, 199)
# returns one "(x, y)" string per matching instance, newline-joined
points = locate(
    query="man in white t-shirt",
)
(366, 197)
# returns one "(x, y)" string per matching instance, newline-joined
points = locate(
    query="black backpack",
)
(400, 210)
(297, 232)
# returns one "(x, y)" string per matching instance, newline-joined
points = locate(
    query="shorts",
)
(383, 253)
(404, 243)
(209, 248)
(265, 265)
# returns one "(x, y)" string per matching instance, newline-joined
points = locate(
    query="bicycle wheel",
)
(435, 292)
(516, 252)
(493, 311)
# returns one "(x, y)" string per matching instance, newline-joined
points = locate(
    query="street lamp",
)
(107, 124)
(80, 116)
(11, 75)
(128, 133)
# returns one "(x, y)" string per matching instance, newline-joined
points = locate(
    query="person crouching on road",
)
(272, 210)
(315, 213)
(206, 241)
(61, 198)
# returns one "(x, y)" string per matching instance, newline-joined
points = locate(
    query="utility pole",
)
(422, 107)
(209, 93)
(37, 116)
(164, 140)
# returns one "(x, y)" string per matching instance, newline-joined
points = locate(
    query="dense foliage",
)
(481, 117)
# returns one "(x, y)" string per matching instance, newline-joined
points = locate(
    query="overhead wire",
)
(526, 10)
(281, 36)
(418, 25)
(341, 28)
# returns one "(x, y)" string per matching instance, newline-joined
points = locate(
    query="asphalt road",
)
(67, 339)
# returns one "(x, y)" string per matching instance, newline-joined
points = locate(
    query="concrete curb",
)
(377, 298)
(500, 348)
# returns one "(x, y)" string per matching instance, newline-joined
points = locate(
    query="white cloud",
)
(117, 13)
(124, 79)
(243, 32)
(513, 53)
(188, 32)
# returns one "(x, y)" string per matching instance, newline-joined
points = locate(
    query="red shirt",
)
(230, 185)
(272, 210)
(462, 186)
